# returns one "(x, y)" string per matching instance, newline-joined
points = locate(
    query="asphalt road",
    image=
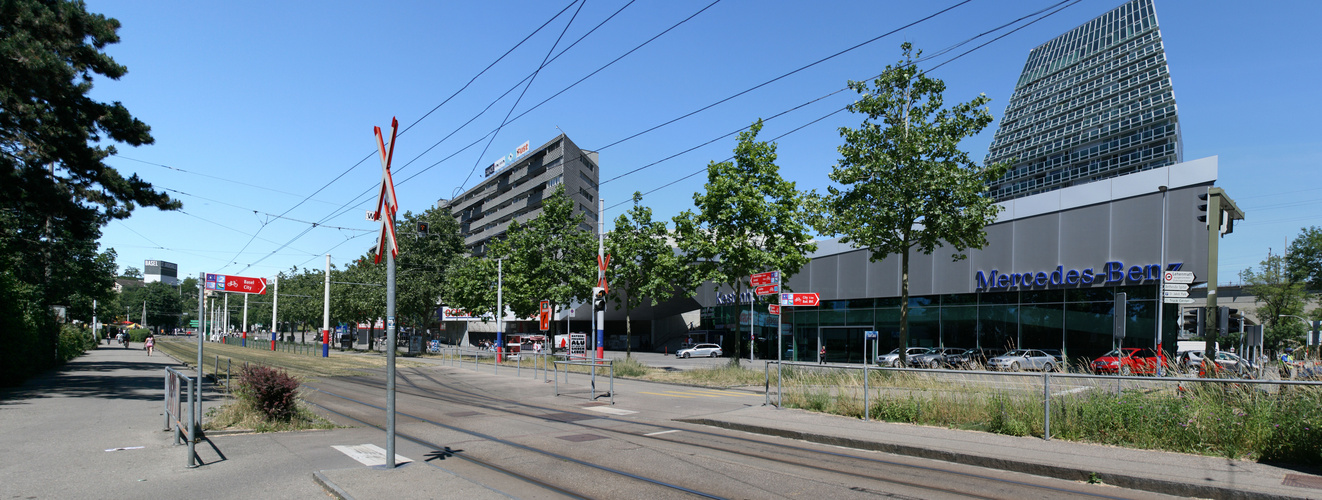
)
(516, 433)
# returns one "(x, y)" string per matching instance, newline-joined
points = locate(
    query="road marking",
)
(368, 454)
(611, 411)
(657, 433)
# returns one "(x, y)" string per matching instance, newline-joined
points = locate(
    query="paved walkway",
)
(94, 428)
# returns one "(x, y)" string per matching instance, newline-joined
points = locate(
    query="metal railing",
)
(592, 364)
(814, 385)
(174, 414)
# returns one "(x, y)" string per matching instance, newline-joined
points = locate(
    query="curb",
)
(1026, 467)
(331, 488)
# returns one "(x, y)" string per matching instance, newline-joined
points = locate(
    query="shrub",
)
(138, 335)
(73, 341)
(630, 367)
(269, 390)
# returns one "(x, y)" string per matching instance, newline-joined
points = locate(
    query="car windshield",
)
(1022, 353)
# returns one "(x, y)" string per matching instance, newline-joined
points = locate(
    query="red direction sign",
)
(768, 289)
(767, 278)
(236, 284)
(798, 299)
(773, 309)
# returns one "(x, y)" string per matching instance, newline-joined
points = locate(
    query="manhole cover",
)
(568, 417)
(1303, 481)
(579, 438)
(464, 414)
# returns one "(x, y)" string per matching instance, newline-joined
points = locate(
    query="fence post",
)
(193, 423)
(612, 381)
(866, 407)
(1046, 405)
(167, 399)
(780, 374)
(766, 383)
(557, 378)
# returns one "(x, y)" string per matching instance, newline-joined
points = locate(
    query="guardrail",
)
(457, 356)
(882, 387)
(174, 414)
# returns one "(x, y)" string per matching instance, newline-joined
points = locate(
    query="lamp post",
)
(1161, 283)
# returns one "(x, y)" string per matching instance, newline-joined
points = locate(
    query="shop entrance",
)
(844, 344)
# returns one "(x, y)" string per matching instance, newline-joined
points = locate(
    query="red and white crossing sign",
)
(768, 289)
(386, 204)
(798, 299)
(773, 309)
(236, 284)
(602, 264)
(767, 278)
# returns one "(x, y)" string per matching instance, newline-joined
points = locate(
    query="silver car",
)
(1024, 359)
(700, 351)
(893, 358)
(934, 358)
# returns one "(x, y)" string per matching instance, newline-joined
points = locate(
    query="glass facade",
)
(1094, 103)
(1079, 323)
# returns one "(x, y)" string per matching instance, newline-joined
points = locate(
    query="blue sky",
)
(257, 106)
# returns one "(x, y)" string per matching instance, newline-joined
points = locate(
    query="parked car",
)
(1192, 362)
(972, 358)
(933, 358)
(700, 351)
(1129, 360)
(893, 358)
(1024, 359)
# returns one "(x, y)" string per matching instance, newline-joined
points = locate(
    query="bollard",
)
(866, 407)
(167, 399)
(228, 361)
(216, 370)
(193, 422)
(766, 383)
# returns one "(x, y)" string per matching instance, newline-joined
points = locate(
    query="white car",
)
(700, 350)
(893, 358)
(1024, 359)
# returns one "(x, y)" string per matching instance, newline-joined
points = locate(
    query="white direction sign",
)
(1175, 293)
(1179, 276)
(1175, 286)
(1177, 300)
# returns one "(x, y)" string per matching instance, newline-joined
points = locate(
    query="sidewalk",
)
(94, 429)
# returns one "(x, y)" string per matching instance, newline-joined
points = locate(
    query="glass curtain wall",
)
(1079, 323)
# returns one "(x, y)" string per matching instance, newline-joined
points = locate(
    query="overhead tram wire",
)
(533, 78)
(343, 208)
(241, 183)
(1059, 6)
(415, 122)
(268, 214)
(801, 68)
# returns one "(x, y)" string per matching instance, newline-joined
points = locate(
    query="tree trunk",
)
(738, 339)
(904, 303)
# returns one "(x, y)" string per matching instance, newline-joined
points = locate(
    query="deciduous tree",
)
(749, 219)
(643, 264)
(904, 183)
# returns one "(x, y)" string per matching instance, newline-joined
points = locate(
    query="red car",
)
(1129, 360)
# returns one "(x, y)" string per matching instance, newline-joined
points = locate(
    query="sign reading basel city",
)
(236, 284)
(1111, 273)
(798, 299)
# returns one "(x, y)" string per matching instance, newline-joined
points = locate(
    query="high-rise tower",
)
(1093, 103)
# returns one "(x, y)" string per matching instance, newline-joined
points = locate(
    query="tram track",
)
(849, 467)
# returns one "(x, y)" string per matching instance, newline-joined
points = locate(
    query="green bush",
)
(74, 341)
(138, 335)
(270, 390)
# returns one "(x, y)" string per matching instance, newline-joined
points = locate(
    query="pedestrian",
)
(821, 356)
(150, 342)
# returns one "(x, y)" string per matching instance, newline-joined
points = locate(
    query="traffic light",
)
(1199, 321)
(1202, 208)
(422, 227)
(598, 298)
(1223, 320)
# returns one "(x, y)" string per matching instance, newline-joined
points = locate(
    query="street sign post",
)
(767, 289)
(544, 318)
(1177, 300)
(1183, 277)
(773, 309)
(1175, 286)
(1174, 293)
(767, 278)
(236, 284)
(799, 299)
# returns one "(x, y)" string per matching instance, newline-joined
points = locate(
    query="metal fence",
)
(1195, 414)
(175, 415)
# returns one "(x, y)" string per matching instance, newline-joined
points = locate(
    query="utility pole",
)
(275, 303)
(325, 314)
(601, 277)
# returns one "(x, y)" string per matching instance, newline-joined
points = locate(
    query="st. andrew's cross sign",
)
(386, 204)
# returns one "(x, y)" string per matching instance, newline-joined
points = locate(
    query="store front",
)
(1049, 278)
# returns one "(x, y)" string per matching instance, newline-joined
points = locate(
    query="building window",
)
(586, 195)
